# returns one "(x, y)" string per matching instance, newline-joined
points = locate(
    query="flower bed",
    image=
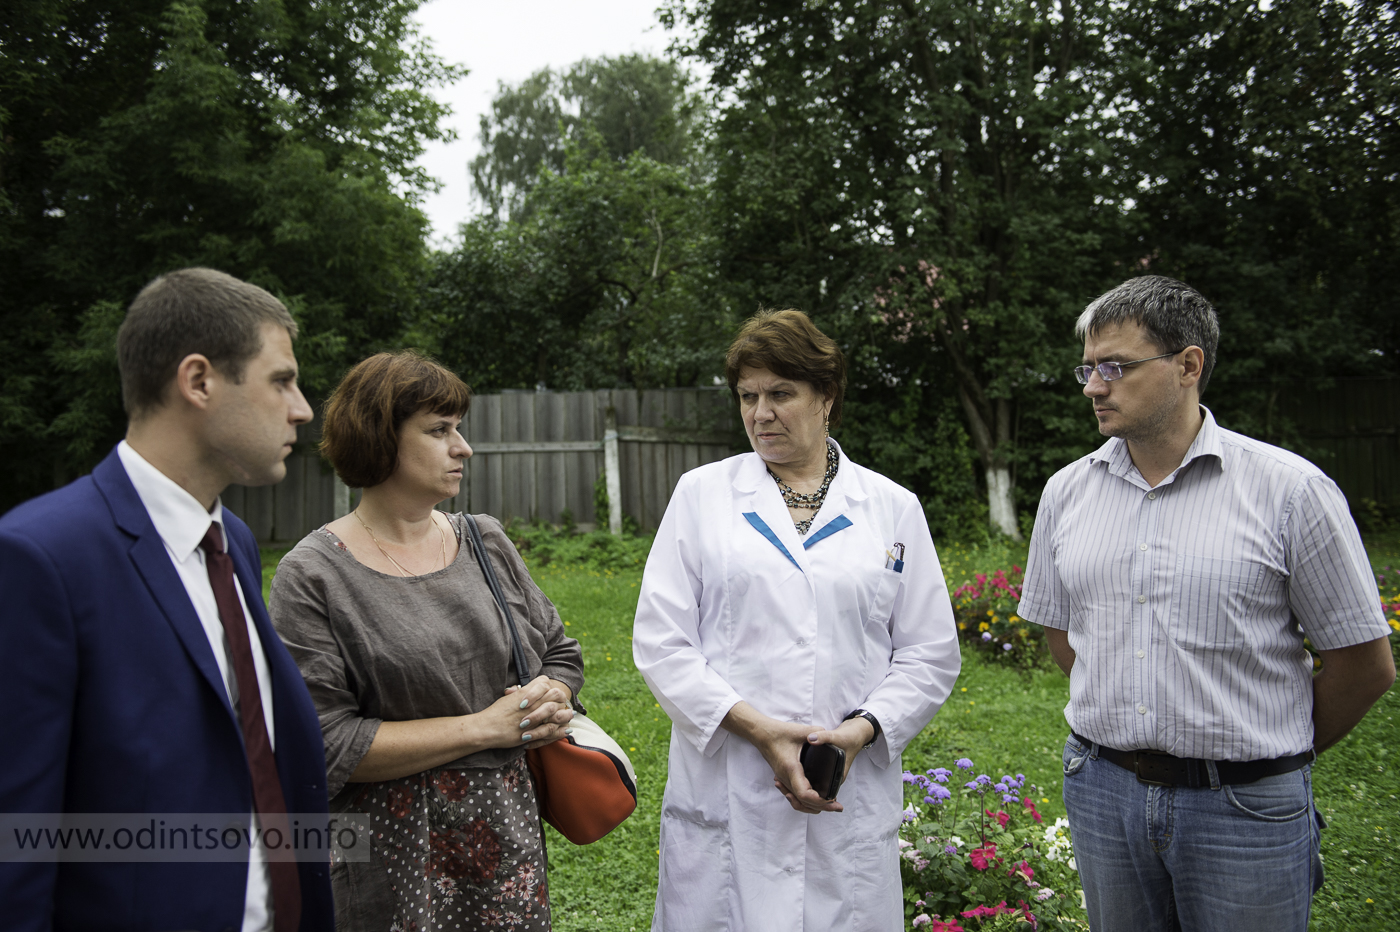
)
(979, 856)
(986, 614)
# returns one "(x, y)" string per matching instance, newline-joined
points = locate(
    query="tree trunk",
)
(1001, 501)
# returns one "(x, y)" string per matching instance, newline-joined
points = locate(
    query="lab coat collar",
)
(753, 476)
(758, 493)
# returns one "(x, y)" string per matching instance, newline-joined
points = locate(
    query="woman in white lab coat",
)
(774, 612)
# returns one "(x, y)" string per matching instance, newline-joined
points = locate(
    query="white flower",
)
(955, 841)
(1044, 894)
(1071, 865)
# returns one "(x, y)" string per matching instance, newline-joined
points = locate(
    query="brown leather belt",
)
(1157, 769)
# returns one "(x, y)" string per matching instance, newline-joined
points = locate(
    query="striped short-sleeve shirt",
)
(1186, 604)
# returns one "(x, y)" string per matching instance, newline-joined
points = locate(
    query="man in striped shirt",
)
(1176, 571)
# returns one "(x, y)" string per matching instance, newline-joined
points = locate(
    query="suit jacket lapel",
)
(152, 562)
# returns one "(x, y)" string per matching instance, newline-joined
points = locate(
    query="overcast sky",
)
(508, 40)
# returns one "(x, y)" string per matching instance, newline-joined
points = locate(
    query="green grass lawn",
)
(1003, 721)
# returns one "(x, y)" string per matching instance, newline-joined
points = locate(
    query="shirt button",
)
(1141, 654)
(1141, 599)
(801, 642)
(1151, 496)
(1142, 710)
(1142, 546)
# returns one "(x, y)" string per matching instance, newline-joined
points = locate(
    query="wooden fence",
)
(535, 455)
(1352, 431)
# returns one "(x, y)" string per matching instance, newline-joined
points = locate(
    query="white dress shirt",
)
(182, 522)
(1186, 603)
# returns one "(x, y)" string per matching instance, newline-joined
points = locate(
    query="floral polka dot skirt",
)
(451, 849)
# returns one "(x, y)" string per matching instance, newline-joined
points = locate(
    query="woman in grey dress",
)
(406, 655)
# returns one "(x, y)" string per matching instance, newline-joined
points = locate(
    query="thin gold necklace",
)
(396, 563)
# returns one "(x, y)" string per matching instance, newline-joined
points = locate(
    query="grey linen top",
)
(375, 648)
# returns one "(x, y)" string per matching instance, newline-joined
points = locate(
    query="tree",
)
(632, 103)
(595, 268)
(272, 140)
(1267, 161)
(931, 178)
(604, 283)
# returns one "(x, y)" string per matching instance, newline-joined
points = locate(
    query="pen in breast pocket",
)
(894, 558)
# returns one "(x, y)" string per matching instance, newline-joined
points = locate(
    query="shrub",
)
(545, 544)
(981, 857)
(987, 620)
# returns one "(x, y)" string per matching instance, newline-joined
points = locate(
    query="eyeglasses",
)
(1113, 371)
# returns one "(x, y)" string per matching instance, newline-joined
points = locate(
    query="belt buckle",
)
(1139, 759)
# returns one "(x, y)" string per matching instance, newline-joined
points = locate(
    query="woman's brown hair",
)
(789, 345)
(360, 434)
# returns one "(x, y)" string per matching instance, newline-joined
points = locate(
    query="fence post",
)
(612, 468)
(340, 497)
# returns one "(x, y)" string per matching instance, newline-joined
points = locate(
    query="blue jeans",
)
(1240, 858)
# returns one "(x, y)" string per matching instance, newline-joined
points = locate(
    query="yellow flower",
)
(983, 626)
(1014, 619)
(962, 626)
(990, 612)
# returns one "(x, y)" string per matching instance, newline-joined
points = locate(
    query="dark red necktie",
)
(268, 800)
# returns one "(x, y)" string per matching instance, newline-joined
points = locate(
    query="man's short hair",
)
(1172, 314)
(367, 410)
(191, 311)
(789, 345)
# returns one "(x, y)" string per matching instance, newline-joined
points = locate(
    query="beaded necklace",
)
(812, 500)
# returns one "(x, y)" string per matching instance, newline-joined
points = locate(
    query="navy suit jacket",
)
(111, 701)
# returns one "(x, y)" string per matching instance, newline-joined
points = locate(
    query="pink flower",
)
(1001, 817)
(921, 920)
(1024, 870)
(982, 858)
(1030, 804)
(950, 925)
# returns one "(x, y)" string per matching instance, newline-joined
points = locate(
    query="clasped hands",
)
(781, 743)
(536, 714)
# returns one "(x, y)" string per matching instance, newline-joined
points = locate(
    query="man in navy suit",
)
(139, 672)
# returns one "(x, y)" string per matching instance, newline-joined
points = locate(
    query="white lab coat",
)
(725, 616)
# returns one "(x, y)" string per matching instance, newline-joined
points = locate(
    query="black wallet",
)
(824, 765)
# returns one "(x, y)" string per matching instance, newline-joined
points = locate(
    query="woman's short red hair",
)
(789, 345)
(360, 433)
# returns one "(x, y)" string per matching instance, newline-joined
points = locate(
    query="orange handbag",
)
(585, 783)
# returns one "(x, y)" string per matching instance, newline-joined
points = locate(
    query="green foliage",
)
(272, 140)
(1264, 149)
(618, 106)
(603, 284)
(927, 179)
(544, 545)
(984, 849)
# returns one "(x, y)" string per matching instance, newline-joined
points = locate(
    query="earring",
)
(826, 424)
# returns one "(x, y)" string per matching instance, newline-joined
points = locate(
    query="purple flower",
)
(1002, 788)
(986, 635)
(983, 779)
(1006, 647)
(909, 777)
(949, 849)
(940, 793)
(963, 763)
(971, 786)
(1011, 798)
(941, 774)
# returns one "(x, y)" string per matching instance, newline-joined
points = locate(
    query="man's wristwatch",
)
(874, 723)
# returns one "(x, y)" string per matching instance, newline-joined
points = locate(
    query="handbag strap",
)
(522, 665)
